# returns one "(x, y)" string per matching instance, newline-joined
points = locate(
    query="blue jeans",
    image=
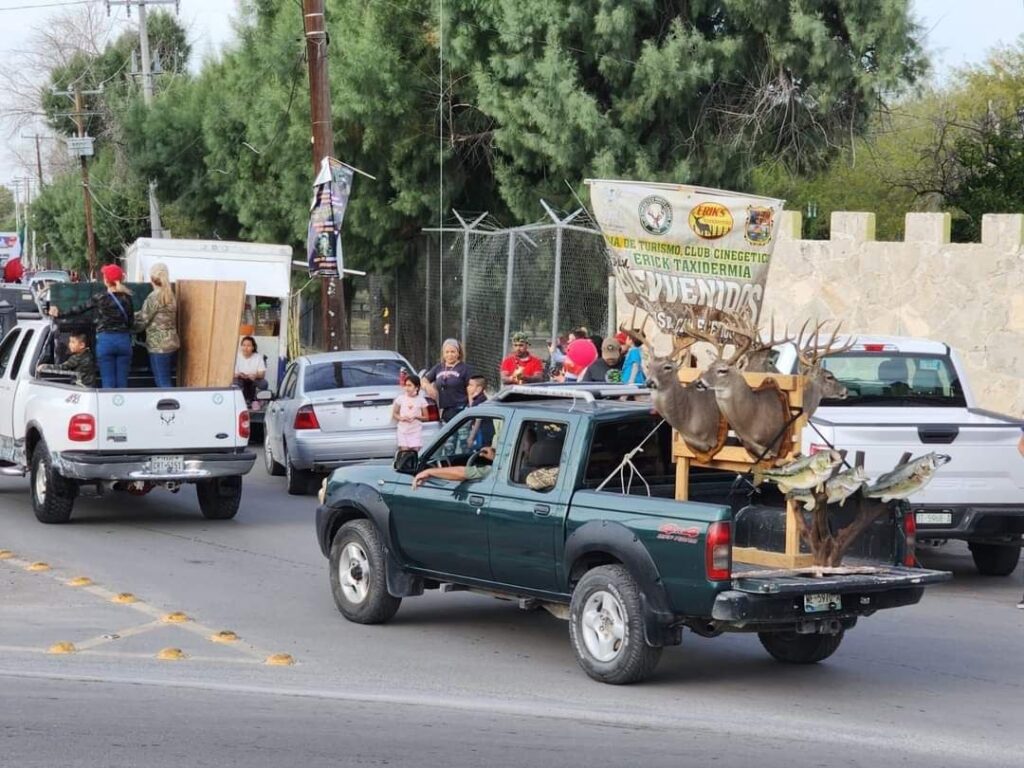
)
(114, 356)
(160, 364)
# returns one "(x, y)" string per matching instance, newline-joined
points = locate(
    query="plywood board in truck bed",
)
(209, 313)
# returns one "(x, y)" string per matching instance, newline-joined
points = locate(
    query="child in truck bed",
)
(80, 362)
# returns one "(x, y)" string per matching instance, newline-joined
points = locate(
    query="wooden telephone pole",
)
(332, 297)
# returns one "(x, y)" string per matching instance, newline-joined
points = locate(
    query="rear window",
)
(614, 439)
(343, 374)
(896, 380)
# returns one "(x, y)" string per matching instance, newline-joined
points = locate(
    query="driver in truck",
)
(460, 474)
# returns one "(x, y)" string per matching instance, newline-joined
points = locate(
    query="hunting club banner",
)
(675, 246)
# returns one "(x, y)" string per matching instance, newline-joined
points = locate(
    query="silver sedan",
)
(334, 409)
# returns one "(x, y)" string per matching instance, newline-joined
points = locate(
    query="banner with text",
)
(676, 247)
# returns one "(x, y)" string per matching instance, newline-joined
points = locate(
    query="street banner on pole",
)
(677, 247)
(331, 192)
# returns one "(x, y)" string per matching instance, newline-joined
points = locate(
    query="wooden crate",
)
(209, 313)
(735, 458)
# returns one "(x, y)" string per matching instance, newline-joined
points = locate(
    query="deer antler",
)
(811, 352)
(744, 335)
(692, 328)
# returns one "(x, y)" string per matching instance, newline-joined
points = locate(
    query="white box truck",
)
(266, 270)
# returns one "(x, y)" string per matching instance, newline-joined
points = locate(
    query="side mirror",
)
(407, 462)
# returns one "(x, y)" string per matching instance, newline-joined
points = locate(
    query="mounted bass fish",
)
(837, 490)
(906, 479)
(804, 474)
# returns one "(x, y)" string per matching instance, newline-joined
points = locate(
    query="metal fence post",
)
(426, 313)
(508, 289)
(466, 231)
(556, 299)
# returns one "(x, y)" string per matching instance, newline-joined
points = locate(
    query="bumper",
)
(755, 612)
(324, 451)
(83, 465)
(979, 523)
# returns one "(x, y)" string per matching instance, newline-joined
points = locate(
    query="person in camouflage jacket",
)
(159, 319)
(80, 362)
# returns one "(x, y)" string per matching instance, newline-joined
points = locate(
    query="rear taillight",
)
(433, 414)
(910, 532)
(82, 428)
(817, 448)
(305, 418)
(718, 552)
(244, 427)
(873, 347)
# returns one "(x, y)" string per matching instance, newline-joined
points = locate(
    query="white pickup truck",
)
(906, 394)
(69, 438)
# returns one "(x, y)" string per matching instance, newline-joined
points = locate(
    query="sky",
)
(957, 33)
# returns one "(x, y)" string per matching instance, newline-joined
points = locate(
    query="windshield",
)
(342, 374)
(896, 380)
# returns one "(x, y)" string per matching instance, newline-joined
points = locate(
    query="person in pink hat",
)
(114, 315)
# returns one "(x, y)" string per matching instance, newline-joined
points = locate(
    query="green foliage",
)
(992, 179)
(666, 90)
(7, 217)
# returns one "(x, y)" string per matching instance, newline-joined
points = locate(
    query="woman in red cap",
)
(114, 316)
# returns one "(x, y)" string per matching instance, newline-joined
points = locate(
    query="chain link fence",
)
(478, 283)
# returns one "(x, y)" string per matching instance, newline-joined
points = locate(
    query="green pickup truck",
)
(568, 517)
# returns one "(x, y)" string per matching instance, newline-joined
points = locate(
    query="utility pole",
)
(39, 157)
(83, 148)
(332, 297)
(155, 225)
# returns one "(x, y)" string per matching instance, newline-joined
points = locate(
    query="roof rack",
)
(587, 392)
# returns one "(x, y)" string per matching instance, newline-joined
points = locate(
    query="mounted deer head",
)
(821, 382)
(758, 358)
(759, 417)
(689, 409)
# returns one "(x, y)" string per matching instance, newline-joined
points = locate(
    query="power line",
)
(45, 5)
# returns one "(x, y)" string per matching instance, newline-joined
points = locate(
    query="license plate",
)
(934, 518)
(165, 465)
(821, 602)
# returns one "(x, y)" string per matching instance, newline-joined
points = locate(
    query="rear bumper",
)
(84, 465)
(743, 610)
(996, 523)
(325, 451)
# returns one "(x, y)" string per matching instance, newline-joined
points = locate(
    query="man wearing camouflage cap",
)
(521, 367)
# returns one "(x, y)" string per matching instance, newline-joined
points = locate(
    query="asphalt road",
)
(455, 679)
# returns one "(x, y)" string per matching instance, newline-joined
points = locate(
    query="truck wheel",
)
(995, 559)
(794, 648)
(297, 480)
(53, 496)
(357, 572)
(219, 497)
(606, 627)
(274, 469)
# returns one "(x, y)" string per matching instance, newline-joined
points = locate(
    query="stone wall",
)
(968, 295)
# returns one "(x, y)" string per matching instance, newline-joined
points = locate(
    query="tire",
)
(606, 627)
(793, 648)
(297, 480)
(273, 467)
(357, 572)
(995, 559)
(53, 496)
(219, 497)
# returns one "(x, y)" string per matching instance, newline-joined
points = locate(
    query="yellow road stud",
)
(124, 598)
(224, 636)
(63, 647)
(171, 654)
(79, 581)
(36, 567)
(279, 660)
(6, 554)
(175, 618)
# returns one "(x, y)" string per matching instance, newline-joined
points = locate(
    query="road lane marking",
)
(121, 634)
(159, 617)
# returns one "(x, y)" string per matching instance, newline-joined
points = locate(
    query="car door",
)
(528, 505)
(8, 386)
(442, 525)
(276, 412)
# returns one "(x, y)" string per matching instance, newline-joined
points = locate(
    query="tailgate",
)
(835, 580)
(342, 410)
(164, 420)
(986, 467)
